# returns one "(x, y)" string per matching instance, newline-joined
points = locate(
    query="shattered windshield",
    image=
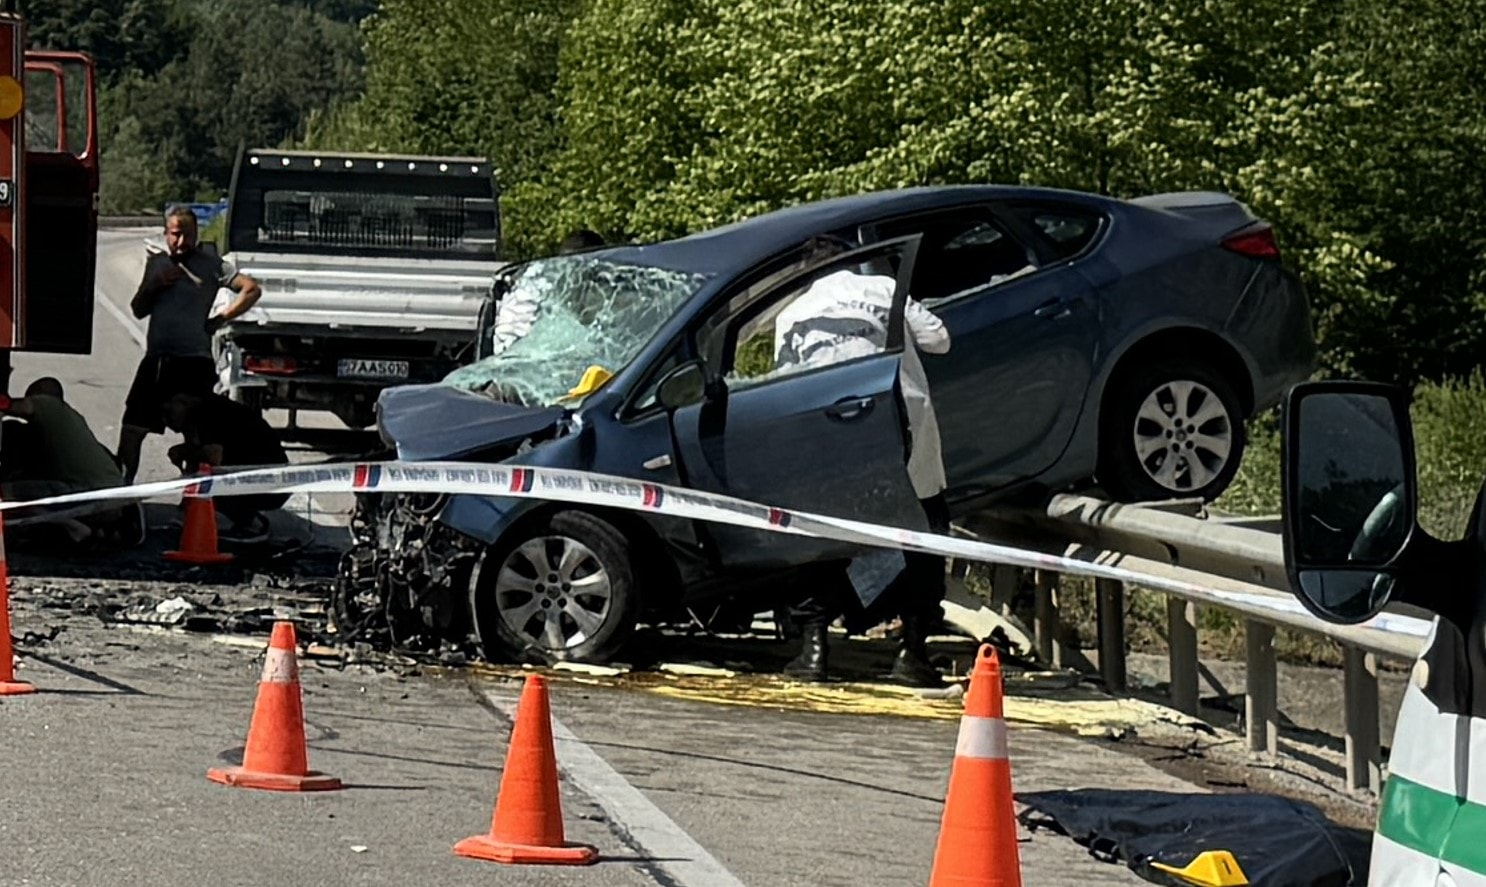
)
(565, 314)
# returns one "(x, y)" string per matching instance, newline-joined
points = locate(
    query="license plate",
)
(372, 369)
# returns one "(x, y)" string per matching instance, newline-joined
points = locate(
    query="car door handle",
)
(658, 462)
(1056, 309)
(851, 408)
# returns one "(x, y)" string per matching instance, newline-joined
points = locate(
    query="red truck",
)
(48, 198)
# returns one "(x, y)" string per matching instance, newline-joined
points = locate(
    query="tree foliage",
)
(457, 76)
(1356, 127)
(122, 35)
(184, 82)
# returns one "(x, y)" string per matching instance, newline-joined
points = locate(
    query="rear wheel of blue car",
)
(1173, 429)
(560, 588)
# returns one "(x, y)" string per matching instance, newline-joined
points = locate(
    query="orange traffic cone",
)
(275, 758)
(9, 686)
(527, 826)
(977, 835)
(199, 533)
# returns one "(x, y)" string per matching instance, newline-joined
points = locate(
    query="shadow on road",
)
(295, 547)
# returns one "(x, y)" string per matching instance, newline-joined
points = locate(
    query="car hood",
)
(434, 421)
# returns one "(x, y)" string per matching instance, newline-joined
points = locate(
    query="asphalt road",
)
(103, 782)
(102, 777)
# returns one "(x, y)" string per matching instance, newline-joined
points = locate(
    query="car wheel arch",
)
(653, 572)
(1208, 356)
(1164, 343)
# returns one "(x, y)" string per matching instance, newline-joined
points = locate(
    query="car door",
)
(825, 435)
(1024, 330)
(61, 204)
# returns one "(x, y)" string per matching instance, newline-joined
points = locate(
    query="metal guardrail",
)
(1240, 564)
(131, 221)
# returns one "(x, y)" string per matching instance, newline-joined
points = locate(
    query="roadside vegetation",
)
(183, 82)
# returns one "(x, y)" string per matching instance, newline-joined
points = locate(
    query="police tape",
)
(589, 488)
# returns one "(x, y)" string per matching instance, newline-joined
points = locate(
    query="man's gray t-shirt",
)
(178, 319)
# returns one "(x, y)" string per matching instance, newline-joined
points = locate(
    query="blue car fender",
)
(484, 518)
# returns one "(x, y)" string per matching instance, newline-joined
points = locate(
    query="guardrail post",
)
(1110, 596)
(1004, 581)
(1045, 619)
(1364, 752)
(1261, 697)
(1181, 620)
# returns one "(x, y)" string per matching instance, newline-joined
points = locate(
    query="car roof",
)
(747, 242)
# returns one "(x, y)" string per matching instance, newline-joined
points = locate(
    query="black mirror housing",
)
(683, 386)
(1350, 496)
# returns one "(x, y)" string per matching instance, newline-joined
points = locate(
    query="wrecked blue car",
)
(1095, 341)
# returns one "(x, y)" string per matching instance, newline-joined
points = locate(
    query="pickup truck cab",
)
(1353, 545)
(374, 269)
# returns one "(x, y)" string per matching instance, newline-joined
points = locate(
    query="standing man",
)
(842, 315)
(176, 294)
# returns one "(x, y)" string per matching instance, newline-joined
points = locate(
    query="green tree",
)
(121, 35)
(457, 76)
(627, 74)
(254, 73)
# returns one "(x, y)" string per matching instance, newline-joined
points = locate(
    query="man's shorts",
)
(159, 378)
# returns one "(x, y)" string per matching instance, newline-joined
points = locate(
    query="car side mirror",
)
(683, 386)
(1350, 496)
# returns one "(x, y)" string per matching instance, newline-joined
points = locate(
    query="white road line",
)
(135, 331)
(672, 849)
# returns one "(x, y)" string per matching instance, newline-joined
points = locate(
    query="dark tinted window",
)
(1069, 231)
(961, 250)
(416, 212)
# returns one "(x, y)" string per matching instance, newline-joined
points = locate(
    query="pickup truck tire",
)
(1173, 429)
(560, 588)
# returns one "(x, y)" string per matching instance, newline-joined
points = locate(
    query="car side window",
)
(836, 313)
(962, 251)
(1068, 231)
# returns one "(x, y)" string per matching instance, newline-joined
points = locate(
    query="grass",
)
(1449, 421)
(215, 232)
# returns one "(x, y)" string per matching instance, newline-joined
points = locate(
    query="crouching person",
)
(55, 453)
(227, 435)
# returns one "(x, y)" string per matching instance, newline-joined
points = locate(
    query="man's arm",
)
(248, 292)
(150, 287)
(929, 332)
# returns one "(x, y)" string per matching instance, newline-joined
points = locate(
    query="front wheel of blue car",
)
(557, 589)
(1172, 429)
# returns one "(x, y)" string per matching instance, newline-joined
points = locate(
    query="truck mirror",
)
(1350, 496)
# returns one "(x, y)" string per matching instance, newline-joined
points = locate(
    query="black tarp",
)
(1277, 842)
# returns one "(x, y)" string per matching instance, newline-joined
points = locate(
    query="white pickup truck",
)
(373, 267)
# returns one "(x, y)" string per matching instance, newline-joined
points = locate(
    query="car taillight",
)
(1256, 241)
(270, 366)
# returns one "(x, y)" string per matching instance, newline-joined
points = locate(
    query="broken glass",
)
(583, 310)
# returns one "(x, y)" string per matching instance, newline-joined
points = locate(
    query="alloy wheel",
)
(553, 592)
(1183, 435)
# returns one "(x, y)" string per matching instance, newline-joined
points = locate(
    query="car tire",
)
(586, 614)
(1141, 434)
